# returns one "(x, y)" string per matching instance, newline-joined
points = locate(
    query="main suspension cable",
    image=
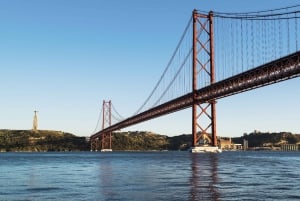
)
(166, 69)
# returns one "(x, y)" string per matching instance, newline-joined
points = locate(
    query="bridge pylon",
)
(203, 114)
(103, 142)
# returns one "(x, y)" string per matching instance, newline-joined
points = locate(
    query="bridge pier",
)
(94, 144)
(106, 142)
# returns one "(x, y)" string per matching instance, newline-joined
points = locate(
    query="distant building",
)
(290, 147)
(237, 146)
(226, 144)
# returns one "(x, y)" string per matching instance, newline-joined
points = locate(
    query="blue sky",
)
(63, 57)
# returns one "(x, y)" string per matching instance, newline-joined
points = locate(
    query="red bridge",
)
(218, 55)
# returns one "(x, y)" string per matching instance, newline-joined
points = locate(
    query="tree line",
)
(44, 141)
(41, 141)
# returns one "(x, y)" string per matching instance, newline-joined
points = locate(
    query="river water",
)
(150, 176)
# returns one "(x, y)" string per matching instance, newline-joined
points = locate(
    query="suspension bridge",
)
(219, 55)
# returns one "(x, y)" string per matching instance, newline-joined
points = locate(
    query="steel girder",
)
(285, 68)
(275, 71)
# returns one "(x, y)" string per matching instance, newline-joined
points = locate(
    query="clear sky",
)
(63, 57)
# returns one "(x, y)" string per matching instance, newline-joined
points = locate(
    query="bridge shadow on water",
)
(204, 177)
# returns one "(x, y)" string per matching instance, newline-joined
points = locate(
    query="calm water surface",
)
(150, 176)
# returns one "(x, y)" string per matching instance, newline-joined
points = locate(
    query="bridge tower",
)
(105, 140)
(106, 122)
(203, 114)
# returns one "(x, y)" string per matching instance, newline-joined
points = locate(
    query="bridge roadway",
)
(275, 71)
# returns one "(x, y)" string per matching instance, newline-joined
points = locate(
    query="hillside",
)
(142, 140)
(151, 141)
(261, 139)
(41, 140)
(138, 141)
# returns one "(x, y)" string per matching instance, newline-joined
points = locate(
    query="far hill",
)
(143, 140)
(41, 140)
(45, 140)
(263, 139)
(138, 140)
(151, 141)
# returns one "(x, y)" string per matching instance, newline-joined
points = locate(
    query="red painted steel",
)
(93, 141)
(106, 123)
(281, 69)
(194, 106)
(275, 71)
(203, 43)
(212, 80)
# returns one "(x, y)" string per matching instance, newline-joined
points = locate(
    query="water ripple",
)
(150, 176)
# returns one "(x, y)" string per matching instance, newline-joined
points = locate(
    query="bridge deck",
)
(275, 71)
